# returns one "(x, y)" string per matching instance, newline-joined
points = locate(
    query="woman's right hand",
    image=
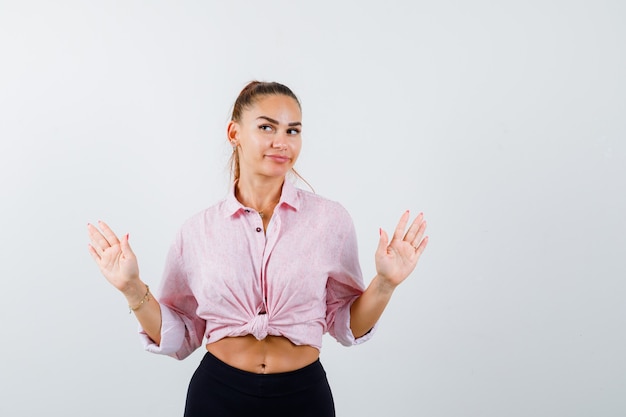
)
(114, 257)
(118, 264)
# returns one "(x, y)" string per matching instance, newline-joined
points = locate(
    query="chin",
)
(278, 169)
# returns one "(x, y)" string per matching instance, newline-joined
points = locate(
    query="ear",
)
(232, 132)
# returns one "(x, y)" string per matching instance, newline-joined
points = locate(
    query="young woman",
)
(261, 276)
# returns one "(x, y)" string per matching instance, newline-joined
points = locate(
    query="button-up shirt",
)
(225, 276)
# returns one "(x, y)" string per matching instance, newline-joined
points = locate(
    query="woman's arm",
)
(147, 311)
(395, 261)
(118, 264)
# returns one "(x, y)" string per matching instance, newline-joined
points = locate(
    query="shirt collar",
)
(289, 196)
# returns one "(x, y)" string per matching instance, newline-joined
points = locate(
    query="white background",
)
(502, 121)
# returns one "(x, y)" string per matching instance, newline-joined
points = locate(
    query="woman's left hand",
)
(396, 260)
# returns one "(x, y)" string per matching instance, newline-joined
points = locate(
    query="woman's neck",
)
(259, 194)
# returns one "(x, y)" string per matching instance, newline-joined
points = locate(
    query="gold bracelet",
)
(145, 299)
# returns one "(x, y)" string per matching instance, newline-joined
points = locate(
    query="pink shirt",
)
(225, 277)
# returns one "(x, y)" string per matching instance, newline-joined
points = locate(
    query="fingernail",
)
(127, 236)
(380, 231)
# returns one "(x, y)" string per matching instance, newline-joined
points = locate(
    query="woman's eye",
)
(266, 128)
(293, 131)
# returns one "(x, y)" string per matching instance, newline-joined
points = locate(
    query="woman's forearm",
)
(368, 308)
(147, 310)
(395, 260)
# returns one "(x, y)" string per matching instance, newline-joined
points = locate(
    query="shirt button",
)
(258, 229)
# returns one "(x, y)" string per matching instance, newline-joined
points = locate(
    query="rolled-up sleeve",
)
(344, 286)
(182, 330)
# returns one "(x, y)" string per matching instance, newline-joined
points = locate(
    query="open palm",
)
(114, 257)
(396, 259)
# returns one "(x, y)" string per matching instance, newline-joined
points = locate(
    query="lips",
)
(279, 158)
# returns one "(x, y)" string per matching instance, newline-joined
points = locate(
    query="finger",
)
(93, 253)
(108, 234)
(125, 246)
(414, 228)
(422, 246)
(420, 234)
(399, 232)
(383, 242)
(98, 241)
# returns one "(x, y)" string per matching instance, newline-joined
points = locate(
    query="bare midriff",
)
(272, 355)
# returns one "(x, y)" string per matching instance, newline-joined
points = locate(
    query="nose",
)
(280, 142)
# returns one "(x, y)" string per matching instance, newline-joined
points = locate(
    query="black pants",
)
(220, 390)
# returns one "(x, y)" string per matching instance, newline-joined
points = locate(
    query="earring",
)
(234, 145)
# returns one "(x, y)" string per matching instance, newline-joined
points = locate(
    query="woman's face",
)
(268, 136)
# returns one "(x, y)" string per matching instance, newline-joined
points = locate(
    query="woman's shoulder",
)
(311, 197)
(205, 216)
(316, 204)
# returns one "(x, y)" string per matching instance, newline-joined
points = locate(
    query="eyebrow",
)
(269, 119)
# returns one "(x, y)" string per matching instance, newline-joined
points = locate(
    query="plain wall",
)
(502, 121)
